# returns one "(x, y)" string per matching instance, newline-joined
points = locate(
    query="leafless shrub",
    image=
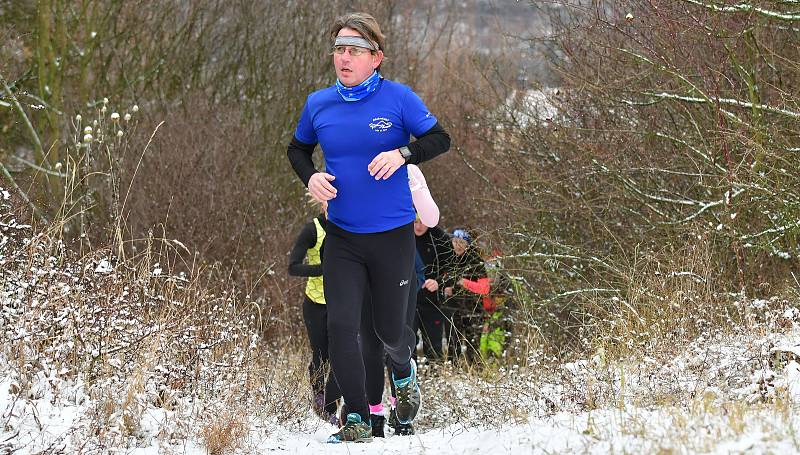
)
(133, 334)
(668, 134)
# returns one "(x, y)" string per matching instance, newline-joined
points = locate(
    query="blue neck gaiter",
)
(360, 91)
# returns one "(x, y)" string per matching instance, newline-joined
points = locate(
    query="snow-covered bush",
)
(117, 340)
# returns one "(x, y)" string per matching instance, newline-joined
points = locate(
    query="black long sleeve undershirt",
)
(299, 155)
(431, 144)
(306, 240)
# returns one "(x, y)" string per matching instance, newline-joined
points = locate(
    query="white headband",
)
(353, 41)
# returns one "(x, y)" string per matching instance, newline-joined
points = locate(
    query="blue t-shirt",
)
(351, 134)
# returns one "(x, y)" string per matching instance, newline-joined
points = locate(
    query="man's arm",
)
(480, 286)
(433, 143)
(306, 240)
(299, 155)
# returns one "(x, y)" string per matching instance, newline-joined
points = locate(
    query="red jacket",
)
(481, 286)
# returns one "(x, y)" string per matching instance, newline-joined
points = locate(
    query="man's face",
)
(353, 70)
(419, 228)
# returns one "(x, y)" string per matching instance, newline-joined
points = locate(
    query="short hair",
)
(364, 24)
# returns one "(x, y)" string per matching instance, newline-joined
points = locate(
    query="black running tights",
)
(381, 264)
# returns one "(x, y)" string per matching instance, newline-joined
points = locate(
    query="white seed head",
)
(135, 108)
(87, 138)
(78, 118)
(114, 116)
(120, 133)
(87, 130)
(127, 117)
(103, 109)
(94, 122)
(629, 17)
(105, 100)
(58, 166)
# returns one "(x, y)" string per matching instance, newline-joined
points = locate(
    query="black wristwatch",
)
(405, 152)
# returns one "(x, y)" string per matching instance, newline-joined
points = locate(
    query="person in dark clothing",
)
(436, 252)
(461, 305)
(310, 244)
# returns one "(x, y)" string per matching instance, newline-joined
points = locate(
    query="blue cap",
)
(462, 234)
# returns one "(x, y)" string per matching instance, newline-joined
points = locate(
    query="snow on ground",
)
(603, 431)
(756, 415)
(722, 394)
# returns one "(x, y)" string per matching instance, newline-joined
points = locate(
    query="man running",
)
(364, 124)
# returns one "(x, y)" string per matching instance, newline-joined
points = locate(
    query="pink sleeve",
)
(478, 287)
(423, 201)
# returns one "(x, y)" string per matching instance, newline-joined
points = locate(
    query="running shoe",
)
(409, 398)
(355, 430)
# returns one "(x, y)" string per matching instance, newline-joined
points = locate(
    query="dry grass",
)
(140, 339)
(223, 433)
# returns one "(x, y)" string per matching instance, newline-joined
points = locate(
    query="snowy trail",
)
(46, 425)
(535, 437)
(598, 432)
(515, 439)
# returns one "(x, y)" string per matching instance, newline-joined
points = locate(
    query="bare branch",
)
(707, 206)
(726, 101)
(37, 167)
(748, 8)
(23, 116)
(22, 194)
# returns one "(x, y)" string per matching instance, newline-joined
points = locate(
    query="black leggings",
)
(372, 348)
(431, 321)
(380, 264)
(316, 318)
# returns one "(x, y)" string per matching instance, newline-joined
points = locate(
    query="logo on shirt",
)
(380, 124)
(403, 283)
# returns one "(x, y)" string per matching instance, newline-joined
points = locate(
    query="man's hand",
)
(385, 164)
(319, 185)
(448, 291)
(431, 285)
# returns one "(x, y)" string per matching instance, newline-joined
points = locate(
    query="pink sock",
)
(376, 409)
(392, 401)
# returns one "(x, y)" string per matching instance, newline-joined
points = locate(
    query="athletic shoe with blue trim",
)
(400, 429)
(355, 430)
(409, 397)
